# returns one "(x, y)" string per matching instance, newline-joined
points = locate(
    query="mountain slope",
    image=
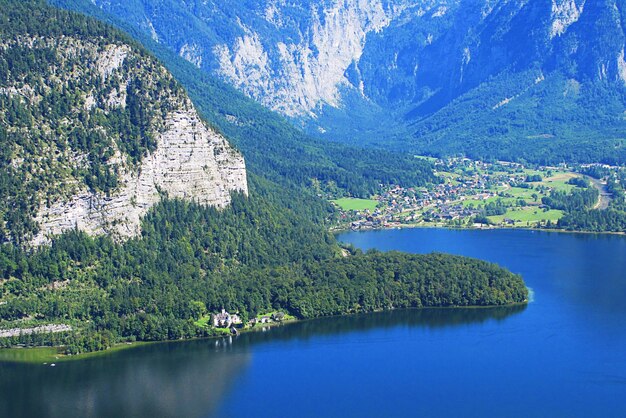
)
(273, 147)
(95, 131)
(393, 72)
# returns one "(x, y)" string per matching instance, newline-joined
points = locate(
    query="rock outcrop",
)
(191, 162)
(297, 74)
(106, 133)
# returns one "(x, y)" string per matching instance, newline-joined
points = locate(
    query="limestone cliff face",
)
(296, 74)
(297, 57)
(108, 133)
(191, 162)
(290, 56)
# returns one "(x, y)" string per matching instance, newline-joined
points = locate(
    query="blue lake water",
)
(562, 355)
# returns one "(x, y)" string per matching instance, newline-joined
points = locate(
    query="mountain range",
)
(541, 80)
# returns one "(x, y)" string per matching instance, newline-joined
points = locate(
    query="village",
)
(470, 194)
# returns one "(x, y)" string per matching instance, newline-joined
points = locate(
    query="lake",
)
(562, 355)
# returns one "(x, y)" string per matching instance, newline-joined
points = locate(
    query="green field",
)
(530, 214)
(287, 317)
(521, 193)
(559, 181)
(348, 203)
(423, 157)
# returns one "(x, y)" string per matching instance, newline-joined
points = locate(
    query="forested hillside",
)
(266, 249)
(94, 130)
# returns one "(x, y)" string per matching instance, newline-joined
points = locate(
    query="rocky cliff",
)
(98, 133)
(190, 162)
(292, 57)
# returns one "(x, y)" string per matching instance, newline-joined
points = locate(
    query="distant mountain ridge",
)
(439, 76)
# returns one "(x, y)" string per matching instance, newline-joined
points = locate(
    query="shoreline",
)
(49, 356)
(341, 230)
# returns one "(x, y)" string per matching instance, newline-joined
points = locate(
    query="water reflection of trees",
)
(425, 318)
(161, 380)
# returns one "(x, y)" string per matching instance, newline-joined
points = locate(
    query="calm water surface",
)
(562, 355)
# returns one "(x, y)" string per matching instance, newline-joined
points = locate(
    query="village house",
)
(224, 319)
(278, 316)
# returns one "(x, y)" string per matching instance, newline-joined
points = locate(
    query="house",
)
(278, 316)
(224, 319)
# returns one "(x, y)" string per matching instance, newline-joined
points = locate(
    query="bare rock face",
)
(296, 75)
(191, 162)
(130, 121)
(564, 14)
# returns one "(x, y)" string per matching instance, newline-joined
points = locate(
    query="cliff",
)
(97, 133)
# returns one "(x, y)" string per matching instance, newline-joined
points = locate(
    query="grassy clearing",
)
(30, 355)
(348, 203)
(529, 214)
(559, 181)
(521, 193)
(424, 157)
(287, 317)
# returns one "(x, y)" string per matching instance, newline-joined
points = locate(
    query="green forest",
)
(269, 250)
(250, 258)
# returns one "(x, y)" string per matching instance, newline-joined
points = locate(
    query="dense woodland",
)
(270, 250)
(192, 260)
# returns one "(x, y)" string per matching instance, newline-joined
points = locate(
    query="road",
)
(605, 197)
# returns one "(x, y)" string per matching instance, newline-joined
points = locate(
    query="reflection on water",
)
(424, 318)
(184, 379)
(562, 355)
(163, 380)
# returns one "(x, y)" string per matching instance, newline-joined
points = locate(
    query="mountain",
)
(95, 131)
(274, 148)
(535, 79)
